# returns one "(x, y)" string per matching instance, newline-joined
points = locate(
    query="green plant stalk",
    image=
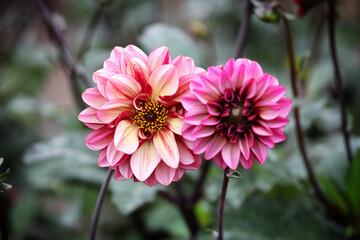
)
(299, 132)
(337, 78)
(95, 218)
(222, 205)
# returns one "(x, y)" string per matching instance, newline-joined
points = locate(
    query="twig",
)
(94, 21)
(241, 38)
(337, 79)
(64, 47)
(198, 189)
(95, 218)
(222, 205)
(289, 42)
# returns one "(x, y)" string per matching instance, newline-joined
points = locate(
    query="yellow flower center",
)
(152, 116)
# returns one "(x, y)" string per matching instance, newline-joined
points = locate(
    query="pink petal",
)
(260, 151)
(189, 101)
(175, 124)
(144, 160)
(164, 81)
(219, 161)
(159, 56)
(183, 65)
(102, 161)
(285, 104)
(262, 85)
(253, 70)
(94, 126)
(278, 135)
(185, 154)
(93, 97)
(238, 76)
(225, 82)
(248, 90)
(125, 170)
(277, 122)
(126, 137)
(113, 108)
(187, 130)
(206, 95)
(247, 164)
(230, 67)
(89, 116)
(261, 129)
(178, 174)
(122, 86)
(139, 70)
(164, 174)
(101, 77)
(201, 144)
(113, 156)
(166, 147)
(203, 131)
(267, 141)
(112, 64)
(210, 120)
(194, 166)
(118, 176)
(244, 146)
(196, 114)
(215, 146)
(183, 88)
(151, 181)
(130, 52)
(274, 93)
(214, 108)
(231, 155)
(116, 52)
(267, 110)
(99, 139)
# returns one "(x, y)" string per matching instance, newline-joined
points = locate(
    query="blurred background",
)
(55, 178)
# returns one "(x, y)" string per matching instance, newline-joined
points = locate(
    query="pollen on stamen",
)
(152, 116)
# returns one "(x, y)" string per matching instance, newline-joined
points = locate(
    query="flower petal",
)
(244, 147)
(144, 160)
(122, 86)
(267, 110)
(225, 82)
(183, 65)
(248, 90)
(93, 97)
(215, 146)
(159, 56)
(164, 174)
(231, 155)
(102, 161)
(88, 115)
(109, 111)
(260, 151)
(166, 147)
(219, 161)
(175, 124)
(139, 70)
(126, 137)
(203, 131)
(196, 114)
(125, 170)
(247, 164)
(189, 101)
(164, 81)
(185, 154)
(114, 156)
(99, 139)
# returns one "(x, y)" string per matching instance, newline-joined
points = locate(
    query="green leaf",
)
(352, 184)
(128, 196)
(335, 193)
(234, 174)
(1, 161)
(4, 175)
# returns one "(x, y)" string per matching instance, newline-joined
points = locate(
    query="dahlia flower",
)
(136, 115)
(235, 114)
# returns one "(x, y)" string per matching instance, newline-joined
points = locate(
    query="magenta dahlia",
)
(235, 113)
(136, 115)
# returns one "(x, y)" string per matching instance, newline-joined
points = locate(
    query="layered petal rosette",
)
(235, 113)
(136, 115)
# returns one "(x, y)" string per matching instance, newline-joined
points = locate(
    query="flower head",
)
(136, 115)
(235, 113)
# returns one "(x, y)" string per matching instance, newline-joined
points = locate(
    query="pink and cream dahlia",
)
(235, 113)
(136, 115)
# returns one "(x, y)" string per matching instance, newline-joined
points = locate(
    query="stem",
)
(241, 38)
(222, 205)
(94, 21)
(198, 189)
(64, 47)
(338, 80)
(318, 193)
(98, 206)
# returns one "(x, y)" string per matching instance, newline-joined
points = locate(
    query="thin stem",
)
(222, 205)
(299, 132)
(95, 218)
(198, 189)
(241, 38)
(63, 46)
(338, 80)
(94, 21)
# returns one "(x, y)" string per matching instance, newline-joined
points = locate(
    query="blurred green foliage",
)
(56, 179)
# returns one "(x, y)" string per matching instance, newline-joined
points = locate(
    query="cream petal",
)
(164, 81)
(175, 124)
(93, 97)
(144, 160)
(122, 86)
(166, 147)
(158, 57)
(126, 137)
(109, 111)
